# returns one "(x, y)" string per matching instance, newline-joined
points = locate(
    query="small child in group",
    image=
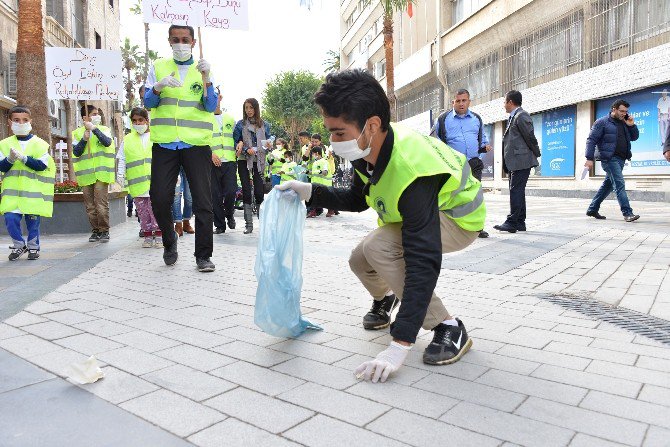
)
(27, 184)
(135, 168)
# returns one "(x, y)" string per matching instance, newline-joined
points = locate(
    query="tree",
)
(332, 63)
(131, 59)
(31, 67)
(289, 100)
(137, 10)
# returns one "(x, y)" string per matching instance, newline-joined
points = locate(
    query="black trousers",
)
(224, 189)
(197, 162)
(245, 178)
(517, 197)
(477, 167)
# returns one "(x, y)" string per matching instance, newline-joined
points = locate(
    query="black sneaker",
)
(205, 265)
(220, 230)
(104, 236)
(379, 316)
(231, 222)
(170, 254)
(483, 234)
(448, 345)
(631, 217)
(17, 253)
(129, 213)
(33, 255)
(95, 237)
(595, 214)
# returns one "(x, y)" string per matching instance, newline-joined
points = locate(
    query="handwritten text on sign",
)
(222, 14)
(83, 73)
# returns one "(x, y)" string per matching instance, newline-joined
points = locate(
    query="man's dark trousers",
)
(224, 189)
(197, 162)
(517, 198)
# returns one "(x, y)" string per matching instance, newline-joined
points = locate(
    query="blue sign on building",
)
(555, 133)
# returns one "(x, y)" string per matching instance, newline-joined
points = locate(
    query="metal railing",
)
(480, 77)
(429, 97)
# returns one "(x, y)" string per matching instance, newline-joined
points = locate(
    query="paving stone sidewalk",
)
(180, 349)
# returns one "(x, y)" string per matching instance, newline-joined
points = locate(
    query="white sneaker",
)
(148, 242)
(158, 242)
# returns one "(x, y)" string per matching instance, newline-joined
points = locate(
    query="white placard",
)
(84, 74)
(221, 14)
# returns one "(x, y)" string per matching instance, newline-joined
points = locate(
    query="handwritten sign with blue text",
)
(84, 74)
(221, 14)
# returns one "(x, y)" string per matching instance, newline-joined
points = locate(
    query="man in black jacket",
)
(520, 153)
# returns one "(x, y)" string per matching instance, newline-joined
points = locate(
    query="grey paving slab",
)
(16, 373)
(233, 432)
(322, 431)
(188, 382)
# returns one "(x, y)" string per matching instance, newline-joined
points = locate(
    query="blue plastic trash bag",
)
(300, 173)
(279, 266)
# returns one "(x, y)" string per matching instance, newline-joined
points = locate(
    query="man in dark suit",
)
(520, 153)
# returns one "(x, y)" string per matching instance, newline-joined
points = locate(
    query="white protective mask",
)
(280, 147)
(140, 128)
(181, 52)
(96, 120)
(21, 129)
(349, 150)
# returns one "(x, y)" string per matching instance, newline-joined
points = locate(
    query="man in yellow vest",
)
(428, 203)
(93, 159)
(181, 98)
(224, 170)
(27, 183)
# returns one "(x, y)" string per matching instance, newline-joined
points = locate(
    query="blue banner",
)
(488, 158)
(555, 133)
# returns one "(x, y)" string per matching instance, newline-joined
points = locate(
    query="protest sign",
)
(84, 74)
(221, 14)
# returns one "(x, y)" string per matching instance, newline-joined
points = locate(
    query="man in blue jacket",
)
(609, 142)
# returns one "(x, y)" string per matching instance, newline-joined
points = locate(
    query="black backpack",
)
(442, 129)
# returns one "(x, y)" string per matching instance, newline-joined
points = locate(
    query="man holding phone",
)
(610, 142)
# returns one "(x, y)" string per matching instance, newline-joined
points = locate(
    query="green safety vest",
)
(415, 155)
(223, 144)
(99, 164)
(138, 164)
(288, 171)
(276, 155)
(317, 177)
(30, 192)
(181, 115)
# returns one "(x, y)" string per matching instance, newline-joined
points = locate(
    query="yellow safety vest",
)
(223, 144)
(415, 155)
(26, 190)
(99, 164)
(138, 164)
(276, 155)
(317, 177)
(287, 168)
(181, 115)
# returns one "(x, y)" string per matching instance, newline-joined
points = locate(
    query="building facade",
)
(67, 23)
(570, 59)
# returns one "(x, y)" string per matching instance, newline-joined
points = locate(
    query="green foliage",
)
(391, 6)
(332, 61)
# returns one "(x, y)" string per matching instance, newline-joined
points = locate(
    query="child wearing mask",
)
(27, 185)
(135, 169)
(287, 168)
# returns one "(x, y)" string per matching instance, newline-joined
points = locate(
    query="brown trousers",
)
(97, 205)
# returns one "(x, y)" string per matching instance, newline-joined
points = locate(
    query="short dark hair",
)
(462, 91)
(18, 109)
(317, 150)
(316, 136)
(620, 102)
(287, 153)
(139, 111)
(514, 96)
(189, 28)
(354, 96)
(91, 108)
(304, 134)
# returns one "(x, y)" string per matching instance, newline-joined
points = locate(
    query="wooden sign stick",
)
(204, 81)
(88, 142)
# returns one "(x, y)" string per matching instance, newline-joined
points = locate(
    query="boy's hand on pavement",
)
(386, 362)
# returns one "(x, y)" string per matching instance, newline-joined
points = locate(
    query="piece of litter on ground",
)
(87, 371)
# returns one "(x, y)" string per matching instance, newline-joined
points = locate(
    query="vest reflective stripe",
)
(319, 166)
(227, 135)
(135, 181)
(99, 164)
(276, 165)
(26, 190)
(138, 164)
(223, 145)
(467, 208)
(181, 115)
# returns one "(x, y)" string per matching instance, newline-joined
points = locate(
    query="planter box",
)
(69, 215)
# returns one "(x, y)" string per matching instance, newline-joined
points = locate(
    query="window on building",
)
(13, 4)
(56, 9)
(78, 22)
(98, 41)
(11, 82)
(462, 9)
(652, 17)
(480, 78)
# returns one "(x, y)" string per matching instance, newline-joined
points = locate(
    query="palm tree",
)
(137, 10)
(31, 67)
(131, 58)
(332, 63)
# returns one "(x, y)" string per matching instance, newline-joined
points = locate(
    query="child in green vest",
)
(287, 170)
(27, 183)
(135, 168)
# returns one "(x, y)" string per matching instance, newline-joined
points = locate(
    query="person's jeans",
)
(613, 182)
(13, 223)
(246, 178)
(96, 201)
(182, 190)
(276, 179)
(517, 198)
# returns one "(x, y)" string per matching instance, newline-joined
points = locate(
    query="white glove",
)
(15, 155)
(304, 190)
(204, 67)
(89, 125)
(167, 81)
(385, 363)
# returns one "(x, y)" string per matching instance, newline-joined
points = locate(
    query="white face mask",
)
(96, 120)
(280, 147)
(181, 52)
(21, 129)
(349, 150)
(140, 128)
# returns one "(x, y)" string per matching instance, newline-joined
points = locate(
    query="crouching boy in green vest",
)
(27, 183)
(428, 203)
(93, 158)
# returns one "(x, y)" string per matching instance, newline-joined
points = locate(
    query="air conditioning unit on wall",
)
(54, 108)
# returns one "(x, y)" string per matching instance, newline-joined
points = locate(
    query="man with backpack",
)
(463, 131)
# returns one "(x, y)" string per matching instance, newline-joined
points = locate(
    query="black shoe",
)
(631, 217)
(129, 213)
(170, 254)
(220, 230)
(483, 234)
(521, 227)
(231, 222)
(379, 316)
(95, 237)
(33, 255)
(448, 345)
(595, 214)
(104, 237)
(205, 265)
(17, 253)
(505, 227)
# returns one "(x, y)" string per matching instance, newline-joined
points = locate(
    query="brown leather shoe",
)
(187, 227)
(179, 229)
(330, 213)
